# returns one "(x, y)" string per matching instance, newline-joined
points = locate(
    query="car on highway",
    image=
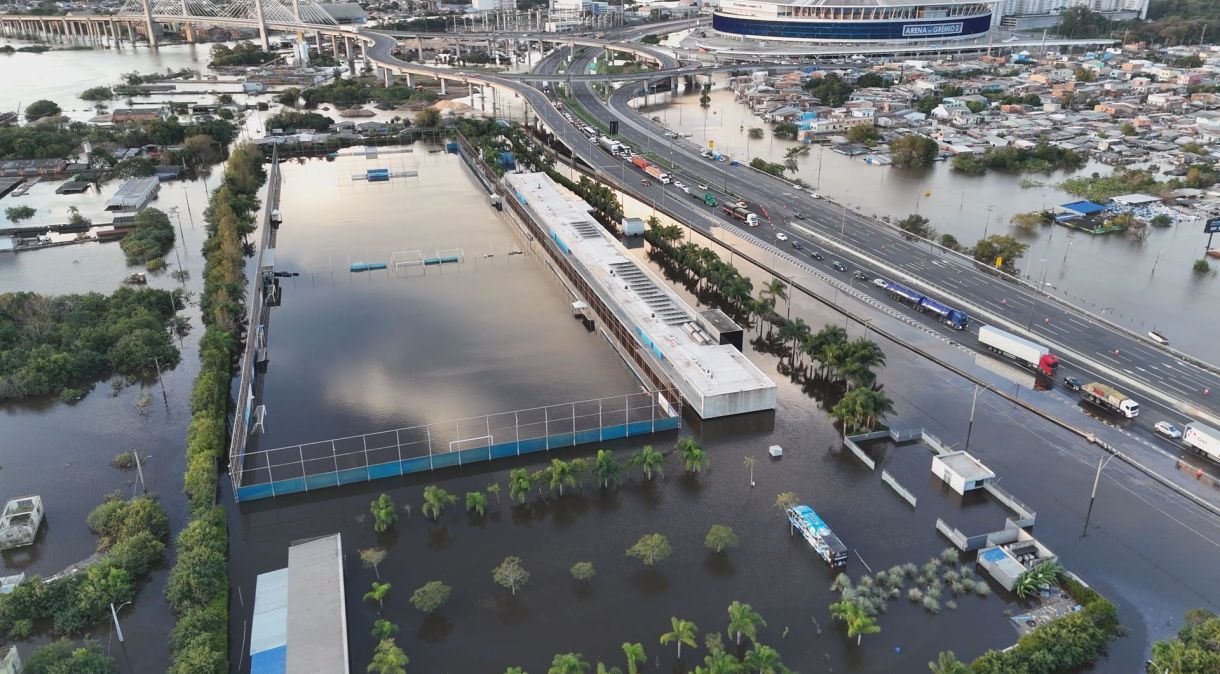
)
(702, 187)
(839, 266)
(880, 282)
(1167, 429)
(816, 195)
(860, 276)
(796, 245)
(1072, 383)
(815, 255)
(781, 236)
(645, 183)
(799, 216)
(679, 184)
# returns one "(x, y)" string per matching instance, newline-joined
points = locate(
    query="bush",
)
(1200, 266)
(151, 239)
(63, 657)
(582, 571)
(430, 596)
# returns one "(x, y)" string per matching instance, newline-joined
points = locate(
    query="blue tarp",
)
(1083, 207)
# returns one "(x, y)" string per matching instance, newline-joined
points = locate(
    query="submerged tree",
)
(682, 632)
(511, 574)
(650, 549)
(383, 512)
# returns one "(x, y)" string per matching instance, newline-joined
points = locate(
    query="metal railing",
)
(401, 451)
(255, 323)
(901, 490)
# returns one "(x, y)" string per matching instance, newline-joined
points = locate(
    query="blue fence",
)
(372, 456)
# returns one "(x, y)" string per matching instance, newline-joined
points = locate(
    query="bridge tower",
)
(148, 23)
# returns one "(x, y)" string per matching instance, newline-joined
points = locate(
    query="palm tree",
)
(635, 656)
(860, 357)
(476, 502)
(775, 289)
(947, 663)
(694, 459)
(435, 500)
(383, 513)
(763, 309)
(377, 593)
(606, 468)
(749, 462)
(831, 341)
(683, 632)
(737, 291)
(793, 332)
(744, 620)
(494, 490)
(876, 405)
(762, 659)
(859, 622)
(568, 663)
(785, 501)
(862, 408)
(649, 459)
(561, 474)
(384, 629)
(519, 484)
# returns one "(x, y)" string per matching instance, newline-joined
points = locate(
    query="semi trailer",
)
(1030, 355)
(1203, 439)
(1109, 398)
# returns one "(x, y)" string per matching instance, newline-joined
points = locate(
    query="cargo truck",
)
(1030, 355)
(639, 162)
(656, 172)
(1109, 398)
(1203, 439)
(610, 145)
(741, 214)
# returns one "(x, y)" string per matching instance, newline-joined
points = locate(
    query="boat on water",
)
(818, 535)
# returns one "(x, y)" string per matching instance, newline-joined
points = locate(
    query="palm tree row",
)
(604, 470)
(703, 267)
(743, 621)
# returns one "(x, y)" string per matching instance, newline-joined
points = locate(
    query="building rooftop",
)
(663, 323)
(970, 468)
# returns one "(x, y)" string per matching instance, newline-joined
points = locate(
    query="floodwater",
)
(354, 353)
(1137, 551)
(1138, 285)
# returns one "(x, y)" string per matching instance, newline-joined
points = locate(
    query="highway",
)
(1092, 349)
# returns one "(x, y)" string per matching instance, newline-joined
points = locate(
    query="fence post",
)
(601, 424)
(572, 408)
(334, 456)
(517, 432)
(490, 440)
(546, 428)
(457, 433)
(429, 430)
(364, 442)
(398, 448)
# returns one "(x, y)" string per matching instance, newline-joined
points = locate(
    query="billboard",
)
(931, 29)
(1212, 226)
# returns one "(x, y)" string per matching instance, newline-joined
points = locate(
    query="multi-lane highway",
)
(1092, 348)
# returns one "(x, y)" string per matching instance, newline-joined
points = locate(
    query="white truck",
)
(610, 145)
(1109, 398)
(1031, 355)
(1203, 439)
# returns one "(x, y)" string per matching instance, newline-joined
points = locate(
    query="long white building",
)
(715, 380)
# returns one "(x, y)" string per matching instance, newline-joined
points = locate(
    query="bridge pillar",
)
(114, 33)
(419, 48)
(410, 80)
(470, 91)
(317, 42)
(262, 24)
(443, 88)
(148, 23)
(388, 77)
(188, 31)
(334, 47)
(131, 33)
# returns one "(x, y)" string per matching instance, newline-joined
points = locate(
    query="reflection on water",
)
(1110, 274)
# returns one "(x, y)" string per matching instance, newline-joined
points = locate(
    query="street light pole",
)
(970, 428)
(987, 226)
(1101, 463)
(114, 613)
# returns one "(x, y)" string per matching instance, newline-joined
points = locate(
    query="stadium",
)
(853, 20)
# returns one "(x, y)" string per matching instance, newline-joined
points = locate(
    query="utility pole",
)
(1101, 463)
(970, 428)
(143, 488)
(157, 362)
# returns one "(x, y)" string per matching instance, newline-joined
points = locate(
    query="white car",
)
(703, 187)
(816, 195)
(1167, 429)
(880, 282)
(781, 236)
(678, 184)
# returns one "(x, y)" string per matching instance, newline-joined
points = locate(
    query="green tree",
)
(873, 81)
(511, 574)
(606, 468)
(435, 500)
(863, 133)
(634, 652)
(377, 593)
(859, 622)
(947, 663)
(384, 515)
(428, 118)
(135, 167)
(561, 474)
(1127, 129)
(682, 632)
(719, 538)
(63, 657)
(744, 620)
(476, 502)
(16, 214)
(755, 133)
(861, 408)
(494, 490)
(916, 224)
(763, 659)
(388, 658)
(383, 629)
(694, 459)
(519, 484)
(913, 150)
(793, 332)
(748, 461)
(568, 663)
(1161, 220)
(96, 94)
(40, 109)
(649, 460)
(830, 89)
(785, 131)
(719, 662)
(582, 571)
(1201, 266)
(150, 239)
(650, 549)
(999, 250)
(1196, 650)
(430, 596)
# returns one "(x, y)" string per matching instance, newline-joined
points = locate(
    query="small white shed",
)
(961, 471)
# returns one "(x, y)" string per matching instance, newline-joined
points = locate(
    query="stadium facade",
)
(854, 20)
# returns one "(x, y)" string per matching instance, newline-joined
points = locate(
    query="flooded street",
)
(1138, 285)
